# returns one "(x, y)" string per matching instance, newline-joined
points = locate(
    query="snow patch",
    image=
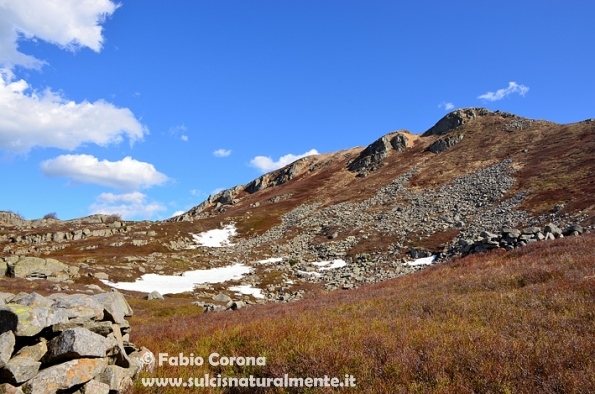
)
(420, 262)
(174, 284)
(324, 265)
(247, 289)
(216, 238)
(270, 260)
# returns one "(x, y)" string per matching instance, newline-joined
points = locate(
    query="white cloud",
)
(266, 164)
(222, 153)
(45, 119)
(177, 213)
(70, 24)
(30, 118)
(513, 87)
(129, 205)
(446, 106)
(127, 174)
(184, 138)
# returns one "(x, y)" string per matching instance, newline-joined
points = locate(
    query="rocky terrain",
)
(477, 180)
(76, 343)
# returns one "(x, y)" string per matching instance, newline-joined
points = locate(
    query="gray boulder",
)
(7, 342)
(103, 328)
(222, 298)
(444, 143)
(80, 306)
(27, 321)
(114, 305)
(34, 352)
(154, 295)
(64, 376)
(95, 387)
(20, 369)
(117, 378)
(32, 300)
(552, 229)
(76, 343)
(35, 267)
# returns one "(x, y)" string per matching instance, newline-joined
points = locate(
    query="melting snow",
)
(422, 261)
(324, 266)
(333, 264)
(216, 238)
(174, 284)
(247, 289)
(270, 260)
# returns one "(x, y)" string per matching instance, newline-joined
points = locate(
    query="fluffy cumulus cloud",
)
(126, 174)
(70, 24)
(222, 153)
(266, 164)
(128, 205)
(45, 119)
(499, 94)
(30, 118)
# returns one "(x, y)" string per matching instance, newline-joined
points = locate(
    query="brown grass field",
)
(504, 322)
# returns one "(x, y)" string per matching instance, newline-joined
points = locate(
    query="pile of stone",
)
(510, 238)
(73, 343)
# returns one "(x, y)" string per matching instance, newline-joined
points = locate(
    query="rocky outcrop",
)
(370, 159)
(446, 142)
(510, 238)
(455, 119)
(66, 343)
(11, 219)
(37, 268)
(276, 178)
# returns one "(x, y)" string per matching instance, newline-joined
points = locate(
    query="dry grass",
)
(519, 322)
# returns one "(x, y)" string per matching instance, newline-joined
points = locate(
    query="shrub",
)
(51, 215)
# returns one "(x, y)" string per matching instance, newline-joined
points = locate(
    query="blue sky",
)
(144, 108)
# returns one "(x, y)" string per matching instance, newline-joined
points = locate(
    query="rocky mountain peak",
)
(455, 119)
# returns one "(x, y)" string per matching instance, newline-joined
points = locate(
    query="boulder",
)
(80, 306)
(117, 378)
(455, 119)
(114, 305)
(574, 229)
(154, 295)
(95, 387)
(6, 388)
(7, 342)
(27, 321)
(20, 369)
(32, 300)
(64, 376)
(444, 143)
(35, 267)
(103, 328)
(34, 352)
(76, 343)
(222, 298)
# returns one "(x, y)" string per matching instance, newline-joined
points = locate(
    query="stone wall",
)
(76, 343)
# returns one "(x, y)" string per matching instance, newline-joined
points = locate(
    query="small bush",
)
(51, 215)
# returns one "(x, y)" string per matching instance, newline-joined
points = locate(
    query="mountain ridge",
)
(475, 181)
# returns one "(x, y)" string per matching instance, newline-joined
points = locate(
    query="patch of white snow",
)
(216, 238)
(174, 284)
(420, 262)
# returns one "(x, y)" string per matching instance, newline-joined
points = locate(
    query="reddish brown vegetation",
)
(518, 322)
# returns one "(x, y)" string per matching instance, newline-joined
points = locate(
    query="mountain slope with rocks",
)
(477, 180)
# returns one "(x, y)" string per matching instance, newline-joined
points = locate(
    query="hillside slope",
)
(477, 180)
